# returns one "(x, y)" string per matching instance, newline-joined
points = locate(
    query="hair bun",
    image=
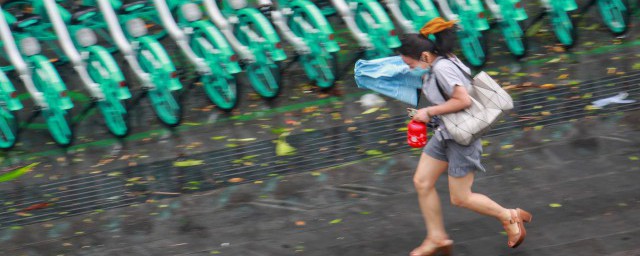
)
(436, 25)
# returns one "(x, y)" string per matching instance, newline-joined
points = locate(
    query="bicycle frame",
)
(40, 78)
(205, 47)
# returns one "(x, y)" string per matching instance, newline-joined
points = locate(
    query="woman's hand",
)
(422, 115)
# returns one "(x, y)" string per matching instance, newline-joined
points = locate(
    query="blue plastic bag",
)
(389, 76)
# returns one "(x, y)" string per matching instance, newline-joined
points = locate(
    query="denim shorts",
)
(461, 159)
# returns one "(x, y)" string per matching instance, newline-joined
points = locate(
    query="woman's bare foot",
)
(511, 228)
(431, 247)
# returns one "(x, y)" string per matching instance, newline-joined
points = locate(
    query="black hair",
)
(445, 41)
(413, 45)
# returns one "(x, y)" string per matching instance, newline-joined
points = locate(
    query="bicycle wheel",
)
(8, 129)
(319, 65)
(616, 15)
(474, 47)
(320, 69)
(112, 109)
(514, 38)
(220, 86)
(57, 119)
(564, 28)
(162, 100)
(58, 124)
(265, 79)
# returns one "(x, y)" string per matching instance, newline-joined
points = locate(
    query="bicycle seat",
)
(131, 6)
(83, 13)
(25, 20)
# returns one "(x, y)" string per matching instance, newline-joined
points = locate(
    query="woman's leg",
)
(427, 173)
(461, 196)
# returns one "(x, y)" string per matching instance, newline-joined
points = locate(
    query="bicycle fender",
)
(6, 89)
(53, 78)
(383, 19)
(220, 42)
(161, 55)
(115, 73)
(261, 22)
(318, 20)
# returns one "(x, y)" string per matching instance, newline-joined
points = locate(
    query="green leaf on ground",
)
(371, 110)
(187, 163)
(336, 221)
(373, 152)
(17, 173)
(555, 205)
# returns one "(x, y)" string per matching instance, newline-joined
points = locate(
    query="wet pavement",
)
(578, 179)
(315, 173)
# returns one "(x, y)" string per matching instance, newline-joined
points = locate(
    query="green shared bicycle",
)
(94, 65)
(42, 81)
(205, 47)
(303, 25)
(254, 39)
(147, 58)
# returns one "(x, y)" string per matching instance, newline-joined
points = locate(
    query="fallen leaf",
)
(545, 113)
(236, 180)
(590, 107)
(555, 205)
(373, 152)
(187, 163)
(300, 223)
(336, 221)
(548, 86)
(508, 146)
(611, 71)
(633, 158)
(37, 206)
(282, 147)
(17, 173)
(558, 48)
(369, 111)
(563, 76)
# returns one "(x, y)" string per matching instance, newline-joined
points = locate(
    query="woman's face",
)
(413, 63)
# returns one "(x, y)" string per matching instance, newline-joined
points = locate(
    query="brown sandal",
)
(518, 216)
(443, 247)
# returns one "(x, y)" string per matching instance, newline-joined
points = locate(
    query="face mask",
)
(419, 71)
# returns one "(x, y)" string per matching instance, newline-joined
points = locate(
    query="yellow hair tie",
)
(436, 25)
